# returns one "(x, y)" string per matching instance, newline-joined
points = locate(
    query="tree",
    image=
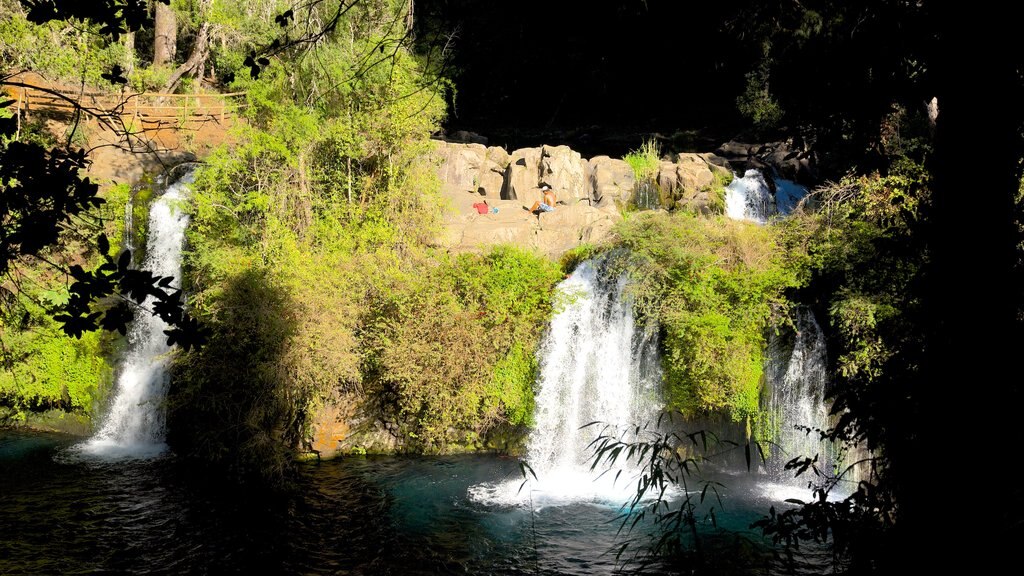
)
(45, 198)
(165, 28)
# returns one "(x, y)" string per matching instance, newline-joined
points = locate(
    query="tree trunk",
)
(129, 59)
(165, 44)
(200, 51)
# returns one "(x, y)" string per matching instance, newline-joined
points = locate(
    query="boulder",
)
(667, 178)
(471, 169)
(693, 173)
(683, 181)
(491, 178)
(467, 137)
(565, 171)
(522, 178)
(343, 425)
(460, 166)
(790, 159)
(611, 180)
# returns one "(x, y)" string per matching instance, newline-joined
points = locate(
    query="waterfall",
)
(134, 426)
(129, 223)
(595, 365)
(645, 195)
(750, 197)
(797, 377)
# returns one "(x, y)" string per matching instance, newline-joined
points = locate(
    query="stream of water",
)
(134, 424)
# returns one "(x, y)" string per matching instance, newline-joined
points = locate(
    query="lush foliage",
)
(644, 160)
(309, 258)
(714, 286)
(44, 368)
(867, 258)
(757, 103)
(84, 55)
(456, 345)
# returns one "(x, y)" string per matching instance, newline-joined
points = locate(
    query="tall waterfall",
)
(595, 365)
(134, 426)
(750, 197)
(797, 376)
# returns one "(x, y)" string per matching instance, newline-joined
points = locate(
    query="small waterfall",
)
(797, 376)
(787, 195)
(129, 224)
(135, 425)
(750, 197)
(646, 196)
(596, 365)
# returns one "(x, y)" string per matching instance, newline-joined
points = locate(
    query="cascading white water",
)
(750, 198)
(797, 376)
(134, 427)
(596, 365)
(787, 195)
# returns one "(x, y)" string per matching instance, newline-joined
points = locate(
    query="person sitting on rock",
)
(545, 205)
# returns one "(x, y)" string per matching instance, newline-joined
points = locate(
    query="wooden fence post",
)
(17, 132)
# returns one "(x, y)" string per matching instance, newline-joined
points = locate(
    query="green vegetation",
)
(46, 369)
(309, 259)
(456, 345)
(714, 286)
(757, 103)
(717, 200)
(84, 56)
(644, 160)
(42, 367)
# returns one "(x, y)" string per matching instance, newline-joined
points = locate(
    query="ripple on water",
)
(355, 516)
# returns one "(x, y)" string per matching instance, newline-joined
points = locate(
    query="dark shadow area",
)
(595, 75)
(229, 403)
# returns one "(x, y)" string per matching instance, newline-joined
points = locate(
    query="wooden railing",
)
(165, 110)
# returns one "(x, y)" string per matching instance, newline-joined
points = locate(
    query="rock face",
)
(471, 173)
(611, 180)
(789, 158)
(565, 171)
(522, 176)
(689, 182)
(591, 194)
(342, 426)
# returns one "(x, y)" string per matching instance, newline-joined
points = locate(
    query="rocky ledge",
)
(592, 192)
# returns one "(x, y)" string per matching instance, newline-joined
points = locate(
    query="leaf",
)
(117, 319)
(125, 260)
(116, 74)
(103, 244)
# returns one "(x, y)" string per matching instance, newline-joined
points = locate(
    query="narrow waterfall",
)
(595, 365)
(645, 195)
(134, 427)
(750, 197)
(797, 376)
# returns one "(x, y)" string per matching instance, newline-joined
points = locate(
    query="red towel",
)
(482, 208)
